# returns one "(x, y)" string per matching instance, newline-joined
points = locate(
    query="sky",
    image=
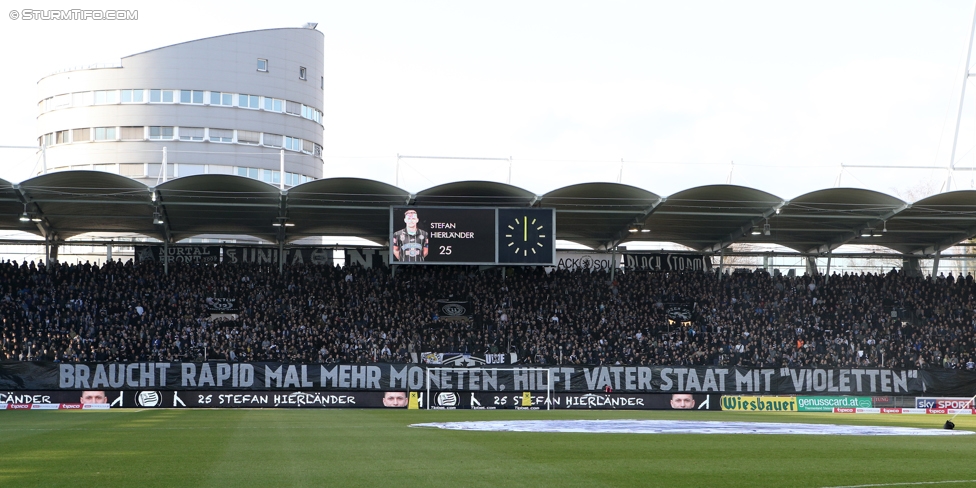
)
(662, 95)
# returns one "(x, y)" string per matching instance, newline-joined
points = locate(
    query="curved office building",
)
(222, 105)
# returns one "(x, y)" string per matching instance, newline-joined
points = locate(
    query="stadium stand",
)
(310, 313)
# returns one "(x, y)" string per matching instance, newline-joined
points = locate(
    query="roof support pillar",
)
(166, 257)
(282, 222)
(721, 262)
(613, 263)
(281, 257)
(911, 267)
(935, 264)
(50, 252)
(812, 265)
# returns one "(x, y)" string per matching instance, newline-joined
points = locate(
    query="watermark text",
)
(74, 14)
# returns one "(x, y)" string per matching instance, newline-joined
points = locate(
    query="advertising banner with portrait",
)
(435, 400)
(88, 399)
(457, 400)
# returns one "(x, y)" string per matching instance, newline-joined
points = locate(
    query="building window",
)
(161, 96)
(225, 99)
(155, 170)
(272, 140)
(307, 146)
(273, 104)
(276, 177)
(252, 173)
(191, 169)
(248, 101)
(241, 171)
(191, 134)
(322, 82)
(293, 144)
(302, 73)
(160, 133)
(191, 96)
(61, 101)
(132, 169)
(293, 108)
(221, 135)
(103, 97)
(133, 133)
(132, 96)
(62, 137)
(311, 114)
(81, 99)
(104, 133)
(81, 135)
(248, 137)
(317, 151)
(263, 65)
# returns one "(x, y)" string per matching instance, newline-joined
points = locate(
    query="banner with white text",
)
(214, 375)
(668, 262)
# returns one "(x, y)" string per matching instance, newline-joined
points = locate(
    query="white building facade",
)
(230, 104)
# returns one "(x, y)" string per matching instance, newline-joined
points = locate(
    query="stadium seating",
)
(127, 312)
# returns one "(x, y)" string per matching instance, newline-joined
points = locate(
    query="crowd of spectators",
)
(313, 313)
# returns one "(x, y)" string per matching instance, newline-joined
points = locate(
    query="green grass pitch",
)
(241, 448)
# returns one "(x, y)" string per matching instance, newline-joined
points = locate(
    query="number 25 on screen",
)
(445, 250)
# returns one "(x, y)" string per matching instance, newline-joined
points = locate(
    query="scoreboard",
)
(472, 235)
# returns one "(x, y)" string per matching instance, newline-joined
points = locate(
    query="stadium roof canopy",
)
(60, 205)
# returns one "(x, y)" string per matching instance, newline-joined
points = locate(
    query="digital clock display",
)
(525, 236)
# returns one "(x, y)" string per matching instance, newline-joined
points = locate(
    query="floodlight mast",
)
(962, 95)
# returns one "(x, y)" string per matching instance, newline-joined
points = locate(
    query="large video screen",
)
(465, 235)
(442, 235)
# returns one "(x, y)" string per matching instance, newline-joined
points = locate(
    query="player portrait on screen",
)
(410, 243)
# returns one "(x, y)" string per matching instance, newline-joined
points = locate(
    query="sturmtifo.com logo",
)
(73, 14)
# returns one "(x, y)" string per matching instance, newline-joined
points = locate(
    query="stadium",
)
(198, 303)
